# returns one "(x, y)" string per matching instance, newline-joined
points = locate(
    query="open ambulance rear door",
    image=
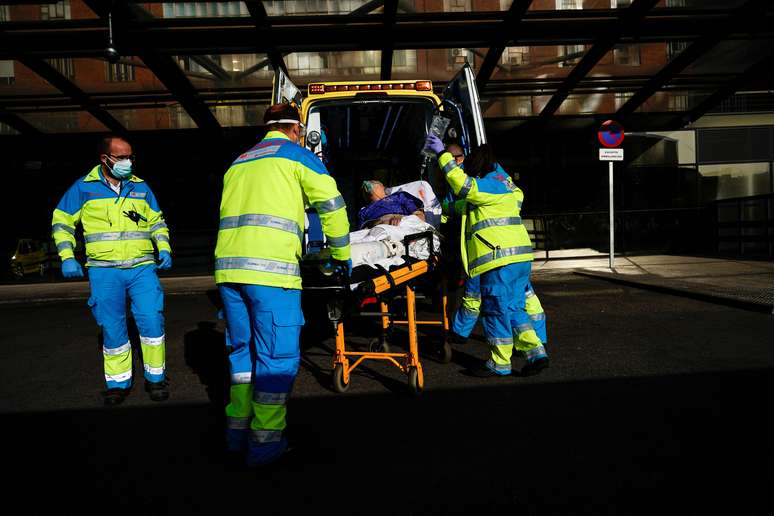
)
(460, 99)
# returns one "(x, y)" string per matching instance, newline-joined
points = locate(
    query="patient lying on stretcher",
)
(394, 214)
(384, 208)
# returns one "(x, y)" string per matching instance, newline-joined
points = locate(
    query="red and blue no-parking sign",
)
(611, 134)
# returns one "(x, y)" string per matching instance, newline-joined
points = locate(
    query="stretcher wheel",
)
(338, 379)
(413, 380)
(378, 345)
(445, 353)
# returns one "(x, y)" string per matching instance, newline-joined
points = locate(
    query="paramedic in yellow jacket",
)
(257, 271)
(121, 223)
(495, 246)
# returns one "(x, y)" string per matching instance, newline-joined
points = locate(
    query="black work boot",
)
(157, 390)
(115, 396)
(533, 367)
(483, 370)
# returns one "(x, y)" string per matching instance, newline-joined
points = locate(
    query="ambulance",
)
(365, 130)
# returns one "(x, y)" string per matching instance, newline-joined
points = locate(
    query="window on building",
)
(404, 61)
(63, 65)
(456, 6)
(119, 72)
(204, 9)
(569, 4)
(674, 48)
(621, 98)
(676, 3)
(458, 57)
(570, 54)
(678, 102)
(516, 56)
(57, 11)
(7, 75)
(5, 14)
(307, 63)
(617, 4)
(283, 7)
(628, 55)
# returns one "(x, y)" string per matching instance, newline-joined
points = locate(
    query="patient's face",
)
(378, 192)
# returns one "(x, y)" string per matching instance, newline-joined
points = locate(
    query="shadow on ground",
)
(663, 445)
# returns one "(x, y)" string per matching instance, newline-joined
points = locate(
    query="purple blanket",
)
(400, 203)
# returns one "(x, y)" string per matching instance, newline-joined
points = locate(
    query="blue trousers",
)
(109, 289)
(264, 326)
(504, 318)
(467, 314)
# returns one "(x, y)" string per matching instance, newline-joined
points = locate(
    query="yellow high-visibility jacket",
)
(492, 234)
(262, 214)
(119, 229)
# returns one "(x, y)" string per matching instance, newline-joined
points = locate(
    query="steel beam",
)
(163, 66)
(630, 17)
(261, 18)
(390, 12)
(762, 69)
(16, 122)
(83, 38)
(508, 31)
(748, 14)
(63, 84)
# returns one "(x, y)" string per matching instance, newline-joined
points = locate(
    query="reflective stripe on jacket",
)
(119, 229)
(262, 214)
(492, 232)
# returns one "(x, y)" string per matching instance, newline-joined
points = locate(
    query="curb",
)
(684, 291)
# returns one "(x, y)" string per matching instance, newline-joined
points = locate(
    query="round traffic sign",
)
(611, 134)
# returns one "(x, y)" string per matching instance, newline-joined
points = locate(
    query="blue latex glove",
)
(341, 266)
(71, 269)
(165, 261)
(433, 143)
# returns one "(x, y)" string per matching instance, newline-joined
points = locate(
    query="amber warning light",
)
(320, 89)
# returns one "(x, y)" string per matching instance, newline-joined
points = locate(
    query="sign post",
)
(611, 135)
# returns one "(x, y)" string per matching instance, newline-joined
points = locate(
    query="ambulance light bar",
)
(320, 89)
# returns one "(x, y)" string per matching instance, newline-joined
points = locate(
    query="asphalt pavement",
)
(653, 404)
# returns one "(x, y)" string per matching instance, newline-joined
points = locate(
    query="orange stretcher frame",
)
(409, 362)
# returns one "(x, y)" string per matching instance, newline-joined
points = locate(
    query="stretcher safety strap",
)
(465, 190)
(329, 205)
(266, 221)
(270, 398)
(63, 227)
(341, 241)
(499, 221)
(500, 253)
(120, 350)
(117, 235)
(258, 265)
(266, 436)
(119, 263)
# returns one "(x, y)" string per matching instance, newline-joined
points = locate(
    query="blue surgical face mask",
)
(122, 169)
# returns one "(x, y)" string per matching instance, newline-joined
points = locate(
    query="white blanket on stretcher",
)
(383, 243)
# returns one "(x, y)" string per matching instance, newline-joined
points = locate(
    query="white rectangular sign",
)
(610, 154)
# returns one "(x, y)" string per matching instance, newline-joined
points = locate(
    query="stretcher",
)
(388, 289)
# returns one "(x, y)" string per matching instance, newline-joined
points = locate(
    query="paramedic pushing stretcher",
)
(258, 275)
(495, 246)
